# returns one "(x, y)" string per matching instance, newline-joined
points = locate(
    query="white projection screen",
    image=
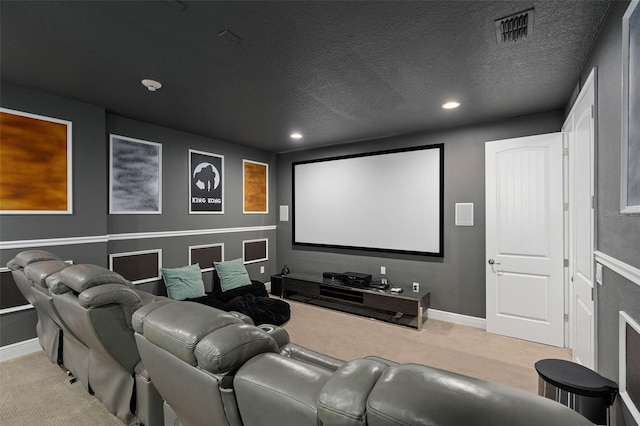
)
(389, 201)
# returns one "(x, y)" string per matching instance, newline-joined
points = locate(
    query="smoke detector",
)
(151, 85)
(515, 27)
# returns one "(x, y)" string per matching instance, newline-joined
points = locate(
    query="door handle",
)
(493, 262)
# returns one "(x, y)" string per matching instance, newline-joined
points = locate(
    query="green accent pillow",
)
(183, 283)
(232, 274)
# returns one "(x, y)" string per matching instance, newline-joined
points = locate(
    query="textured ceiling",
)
(335, 71)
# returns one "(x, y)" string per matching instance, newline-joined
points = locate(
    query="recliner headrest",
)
(108, 294)
(38, 272)
(201, 335)
(82, 277)
(27, 257)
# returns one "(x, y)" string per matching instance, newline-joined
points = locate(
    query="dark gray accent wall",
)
(456, 281)
(175, 181)
(89, 168)
(90, 218)
(617, 235)
(175, 202)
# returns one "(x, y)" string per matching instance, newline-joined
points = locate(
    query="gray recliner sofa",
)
(212, 368)
(92, 308)
(48, 327)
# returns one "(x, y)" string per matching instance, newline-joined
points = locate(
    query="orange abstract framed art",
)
(35, 164)
(255, 187)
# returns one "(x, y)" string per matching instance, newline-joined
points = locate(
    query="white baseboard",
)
(15, 350)
(454, 318)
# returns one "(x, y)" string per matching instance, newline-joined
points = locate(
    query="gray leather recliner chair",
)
(192, 366)
(212, 369)
(96, 306)
(48, 327)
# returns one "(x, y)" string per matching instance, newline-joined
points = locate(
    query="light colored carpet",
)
(34, 391)
(458, 348)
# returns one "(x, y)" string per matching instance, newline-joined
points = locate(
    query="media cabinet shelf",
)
(407, 308)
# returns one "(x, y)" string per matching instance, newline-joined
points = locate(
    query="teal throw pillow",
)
(183, 283)
(232, 274)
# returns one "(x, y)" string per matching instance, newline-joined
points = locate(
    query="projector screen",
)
(384, 201)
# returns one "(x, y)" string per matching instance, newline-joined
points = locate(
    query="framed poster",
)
(630, 162)
(135, 176)
(206, 183)
(255, 186)
(35, 164)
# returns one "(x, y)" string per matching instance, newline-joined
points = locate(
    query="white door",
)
(524, 238)
(580, 129)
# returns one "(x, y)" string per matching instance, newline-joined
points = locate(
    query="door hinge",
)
(565, 152)
(566, 317)
(593, 291)
(566, 263)
(592, 113)
(565, 207)
(593, 201)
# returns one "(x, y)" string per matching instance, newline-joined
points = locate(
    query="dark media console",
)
(407, 308)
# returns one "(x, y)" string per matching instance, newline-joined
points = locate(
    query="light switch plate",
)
(599, 273)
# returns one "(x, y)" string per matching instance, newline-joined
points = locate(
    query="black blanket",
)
(252, 300)
(262, 310)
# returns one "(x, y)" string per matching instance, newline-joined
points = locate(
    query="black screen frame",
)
(438, 253)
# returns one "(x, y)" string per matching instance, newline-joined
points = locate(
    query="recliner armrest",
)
(343, 399)
(309, 356)
(279, 334)
(244, 318)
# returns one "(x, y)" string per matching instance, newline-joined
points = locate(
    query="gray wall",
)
(90, 218)
(175, 210)
(89, 212)
(617, 235)
(456, 281)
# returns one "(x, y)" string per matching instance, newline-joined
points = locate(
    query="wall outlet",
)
(416, 287)
(383, 270)
(262, 269)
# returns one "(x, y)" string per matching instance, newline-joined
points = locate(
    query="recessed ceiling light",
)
(451, 105)
(151, 85)
(296, 135)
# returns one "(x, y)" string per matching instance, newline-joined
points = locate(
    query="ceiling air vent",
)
(515, 27)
